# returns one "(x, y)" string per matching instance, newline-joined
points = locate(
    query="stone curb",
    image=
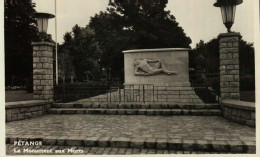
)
(30, 103)
(239, 104)
(122, 142)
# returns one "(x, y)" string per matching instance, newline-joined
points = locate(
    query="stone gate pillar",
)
(43, 71)
(229, 65)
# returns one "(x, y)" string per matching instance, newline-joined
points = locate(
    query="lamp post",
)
(43, 60)
(42, 24)
(42, 21)
(228, 10)
(229, 52)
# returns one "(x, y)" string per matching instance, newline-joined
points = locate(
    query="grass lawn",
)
(247, 96)
(17, 95)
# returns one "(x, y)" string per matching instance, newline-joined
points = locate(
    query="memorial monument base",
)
(151, 93)
(158, 75)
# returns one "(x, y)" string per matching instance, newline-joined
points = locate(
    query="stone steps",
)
(132, 108)
(134, 105)
(143, 143)
(166, 112)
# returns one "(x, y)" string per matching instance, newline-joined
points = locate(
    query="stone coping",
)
(229, 34)
(239, 104)
(42, 43)
(9, 105)
(157, 50)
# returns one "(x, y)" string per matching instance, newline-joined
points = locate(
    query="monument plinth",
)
(160, 67)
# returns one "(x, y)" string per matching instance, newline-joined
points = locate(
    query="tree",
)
(20, 30)
(112, 40)
(246, 58)
(131, 25)
(66, 68)
(206, 56)
(247, 66)
(82, 47)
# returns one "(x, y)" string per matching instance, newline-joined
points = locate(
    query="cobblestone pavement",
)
(188, 129)
(95, 150)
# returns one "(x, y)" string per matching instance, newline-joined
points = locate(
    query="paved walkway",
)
(187, 129)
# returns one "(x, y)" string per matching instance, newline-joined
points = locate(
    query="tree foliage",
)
(20, 30)
(81, 45)
(246, 58)
(131, 25)
(206, 56)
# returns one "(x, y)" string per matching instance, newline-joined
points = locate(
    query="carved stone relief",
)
(146, 67)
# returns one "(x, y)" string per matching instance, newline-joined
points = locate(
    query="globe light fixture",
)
(42, 21)
(228, 10)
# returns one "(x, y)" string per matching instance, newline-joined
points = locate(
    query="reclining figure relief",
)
(143, 68)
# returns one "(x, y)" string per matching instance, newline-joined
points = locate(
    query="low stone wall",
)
(25, 109)
(239, 112)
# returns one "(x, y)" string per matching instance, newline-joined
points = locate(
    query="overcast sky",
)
(199, 18)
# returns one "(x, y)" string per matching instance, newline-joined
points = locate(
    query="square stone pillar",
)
(43, 71)
(229, 65)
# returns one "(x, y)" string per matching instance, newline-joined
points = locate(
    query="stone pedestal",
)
(229, 65)
(43, 71)
(174, 59)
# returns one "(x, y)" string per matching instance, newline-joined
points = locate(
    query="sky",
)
(199, 18)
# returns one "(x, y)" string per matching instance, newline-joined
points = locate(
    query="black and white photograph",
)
(130, 77)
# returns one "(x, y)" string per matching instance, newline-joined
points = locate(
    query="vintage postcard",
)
(130, 77)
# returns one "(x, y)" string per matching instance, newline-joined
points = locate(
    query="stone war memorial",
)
(162, 73)
(171, 98)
